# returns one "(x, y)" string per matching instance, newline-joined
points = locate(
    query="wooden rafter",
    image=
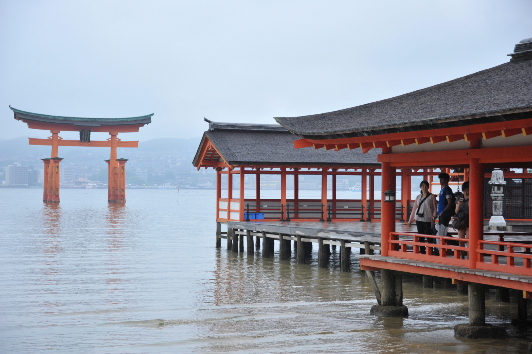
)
(210, 156)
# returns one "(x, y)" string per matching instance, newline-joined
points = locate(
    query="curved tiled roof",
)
(481, 97)
(271, 144)
(85, 122)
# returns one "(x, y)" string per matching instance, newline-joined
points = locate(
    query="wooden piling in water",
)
(300, 251)
(522, 309)
(388, 296)
(266, 247)
(234, 244)
(323, 256)
(477, 304)
(308, 250)
(428, 281)
(461, 289)
(367, 248)
(284, 247)
(241, 243)
(218, 235)
(249, 242)
(229, 238)
(345, 260)
(502, 294)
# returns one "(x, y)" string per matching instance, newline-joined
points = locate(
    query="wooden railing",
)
(446, 250)
(508, 257)
(498, 256)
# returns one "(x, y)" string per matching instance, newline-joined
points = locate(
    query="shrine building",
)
(476, 123)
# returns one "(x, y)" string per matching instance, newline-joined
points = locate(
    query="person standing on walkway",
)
(424, 213)
(462, 213)
(445, 205)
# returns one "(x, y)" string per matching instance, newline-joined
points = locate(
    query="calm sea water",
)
(88, 277)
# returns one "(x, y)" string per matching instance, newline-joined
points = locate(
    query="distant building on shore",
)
(21, 176)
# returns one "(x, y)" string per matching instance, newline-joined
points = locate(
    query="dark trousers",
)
(425, 228)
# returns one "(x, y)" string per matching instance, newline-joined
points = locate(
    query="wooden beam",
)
(75, 128)
(446, 273)
(477, 128)
(460, 157)
(62, 142)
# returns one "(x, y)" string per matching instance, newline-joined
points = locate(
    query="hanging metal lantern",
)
(389, 196)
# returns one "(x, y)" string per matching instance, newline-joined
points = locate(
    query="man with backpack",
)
(445, 205)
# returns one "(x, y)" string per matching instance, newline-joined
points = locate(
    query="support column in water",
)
(477, 327)
(391, 301)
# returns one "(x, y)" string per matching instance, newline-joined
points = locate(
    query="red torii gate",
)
(56, 124)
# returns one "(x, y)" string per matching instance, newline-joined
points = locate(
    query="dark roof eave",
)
(427, 124)
(331, 164)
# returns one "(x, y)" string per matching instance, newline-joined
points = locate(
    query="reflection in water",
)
(51, 248)
(115, 239)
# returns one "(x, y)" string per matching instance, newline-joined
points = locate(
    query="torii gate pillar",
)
(52, 174)
(116, 185)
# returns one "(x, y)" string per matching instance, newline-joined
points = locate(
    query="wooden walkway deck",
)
(364, 236)
(355, 234)
(345, 235)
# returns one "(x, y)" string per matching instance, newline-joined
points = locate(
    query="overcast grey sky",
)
(237, 61)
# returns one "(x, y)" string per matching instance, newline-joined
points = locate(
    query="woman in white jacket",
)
(424, 213)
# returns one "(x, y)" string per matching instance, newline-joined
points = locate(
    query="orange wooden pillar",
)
(323, 193)
(406, 191)
(387, 208)
(112, 170)
(110, 181)
(333, 182)
(364, 193)
(46, 179)
(218, 191)
(55, 179)
(241, 193)
(229, 191)
(371, 203)
(52, 171)
(51, 183)
(476, 209)
(283, 193)
(55, 142)
(121, 180)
